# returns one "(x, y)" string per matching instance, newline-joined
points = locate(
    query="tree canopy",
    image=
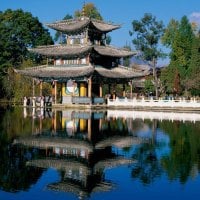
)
(184, 56)
(19, 31)
(147, 33)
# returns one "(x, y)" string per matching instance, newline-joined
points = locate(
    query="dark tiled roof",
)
(65, 50)
(104, 27)
(113, 51)
(118, 72)
(66, 72)
(57, 72)
(78, 24)
(62, 50)
(43, 142)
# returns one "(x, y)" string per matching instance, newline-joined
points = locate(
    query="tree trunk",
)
(155, 77)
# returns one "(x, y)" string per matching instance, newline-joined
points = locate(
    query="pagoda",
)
(84, 63)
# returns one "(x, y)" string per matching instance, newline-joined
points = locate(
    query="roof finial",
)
(83, 9)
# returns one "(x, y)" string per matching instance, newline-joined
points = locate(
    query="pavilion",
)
(84, 64)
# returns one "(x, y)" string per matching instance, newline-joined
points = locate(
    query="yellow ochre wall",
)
(83, 90)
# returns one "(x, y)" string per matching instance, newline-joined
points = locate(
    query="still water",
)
(84, 154)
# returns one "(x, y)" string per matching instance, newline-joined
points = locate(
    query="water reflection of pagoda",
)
(81, 150)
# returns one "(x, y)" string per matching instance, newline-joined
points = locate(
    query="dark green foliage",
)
(148, 85)
(184, 56)
(19, 31)
(147, 33)
(181, 47)
(193, 78)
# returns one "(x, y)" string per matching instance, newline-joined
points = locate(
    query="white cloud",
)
(195, 17)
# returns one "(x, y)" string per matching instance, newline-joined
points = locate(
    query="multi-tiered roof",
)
(84, 54)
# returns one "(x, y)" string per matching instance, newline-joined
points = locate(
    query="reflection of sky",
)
(39, 191)
(161, 146)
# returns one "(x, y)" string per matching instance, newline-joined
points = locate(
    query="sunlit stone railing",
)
(159, 115)
(135, 103)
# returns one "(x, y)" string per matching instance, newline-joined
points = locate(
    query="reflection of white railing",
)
(193, 117)
(136, 103)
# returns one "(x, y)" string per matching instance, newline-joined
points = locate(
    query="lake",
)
(102, 154)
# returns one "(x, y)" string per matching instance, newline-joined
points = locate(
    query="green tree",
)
(19, 31)
(89, 10)
(193, 79)
(148, 85)
(179, 37)
(181, 46)
(168, 36)
(167, 79)
(147, 33)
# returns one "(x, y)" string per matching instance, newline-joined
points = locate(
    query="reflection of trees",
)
(148, 167)
(184, 158)
(13, 123)
(14, 173)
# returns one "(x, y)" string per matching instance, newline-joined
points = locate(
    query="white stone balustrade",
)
(136, 103)
(172, 116)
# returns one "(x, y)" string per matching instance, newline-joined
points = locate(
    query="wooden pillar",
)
(55, 91)
(131, 86)
(90, 87)
(89, 129)
(124, 90)
(33, 92)
(54, 122)
(73, 88)
(114, 91)
(40, 88)
(100, 124)
(100, 90)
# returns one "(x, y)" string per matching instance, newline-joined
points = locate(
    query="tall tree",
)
(19, 31)
(181, 46)
(169, 33)
(192, 81)
(147, 33)
(179, 36)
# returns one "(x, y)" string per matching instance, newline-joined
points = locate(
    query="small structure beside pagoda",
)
(84, 64)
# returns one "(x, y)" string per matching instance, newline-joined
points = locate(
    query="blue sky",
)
(117, 11)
